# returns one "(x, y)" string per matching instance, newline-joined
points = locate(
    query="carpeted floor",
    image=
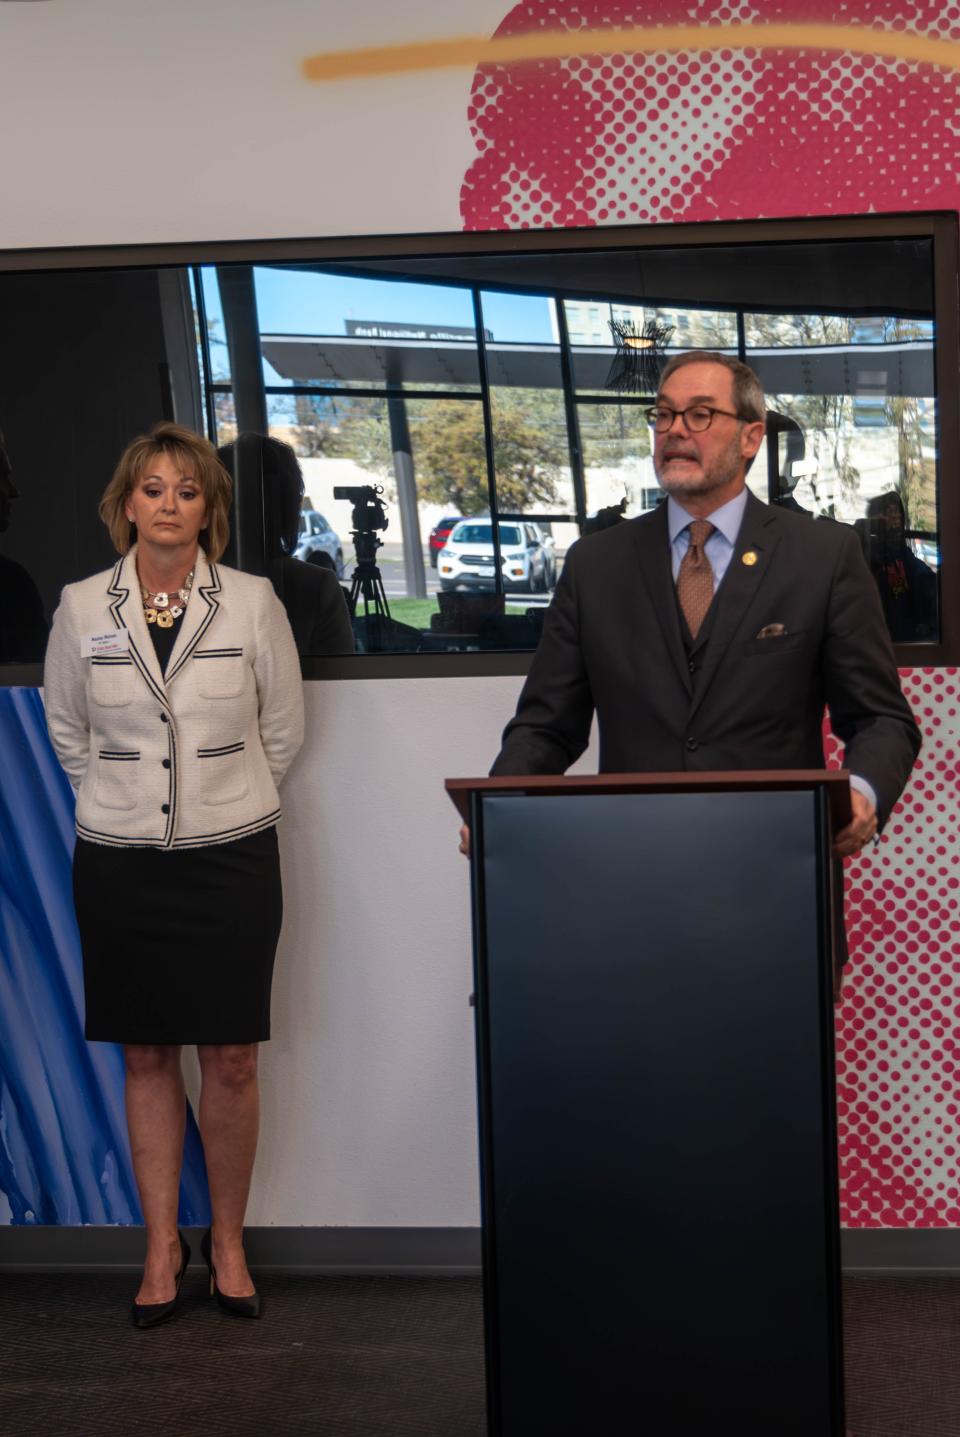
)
(902, 1369)
(376, 1357)
(341, 1357)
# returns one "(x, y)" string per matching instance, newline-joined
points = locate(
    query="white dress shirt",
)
(721, 543)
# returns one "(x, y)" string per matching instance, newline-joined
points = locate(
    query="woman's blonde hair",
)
(191, 454)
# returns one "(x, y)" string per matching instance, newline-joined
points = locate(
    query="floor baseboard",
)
(409, 1251)
(406, 1251)
(900, 1251)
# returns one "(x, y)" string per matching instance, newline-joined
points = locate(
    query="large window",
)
(437, 422)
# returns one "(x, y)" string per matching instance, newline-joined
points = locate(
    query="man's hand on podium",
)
(464, 840)
(861, 828)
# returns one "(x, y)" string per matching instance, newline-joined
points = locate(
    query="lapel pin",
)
(749, 558)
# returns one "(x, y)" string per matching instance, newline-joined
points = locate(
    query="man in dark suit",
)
(712, 633)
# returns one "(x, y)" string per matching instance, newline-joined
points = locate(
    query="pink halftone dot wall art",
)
(745, 133)
(712, 134)
(897, 1034)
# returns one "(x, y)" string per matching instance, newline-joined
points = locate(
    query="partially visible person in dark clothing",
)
(23, 628)
(786, 475)
(908, 588)
(606, 518)
(312, 596)
(322, 559)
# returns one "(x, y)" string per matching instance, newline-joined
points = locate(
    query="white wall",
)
(369, 1094)
(129, 121)
(369, 1083)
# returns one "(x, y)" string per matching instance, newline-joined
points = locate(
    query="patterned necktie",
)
(695, 579)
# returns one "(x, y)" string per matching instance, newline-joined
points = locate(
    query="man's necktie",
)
(695, 579)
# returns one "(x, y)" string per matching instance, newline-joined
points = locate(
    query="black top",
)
(316, 608)
(164, 640)
(23, 628)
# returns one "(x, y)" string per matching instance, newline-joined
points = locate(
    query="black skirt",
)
(179, 945)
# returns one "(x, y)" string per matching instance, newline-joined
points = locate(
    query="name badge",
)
(116, 642)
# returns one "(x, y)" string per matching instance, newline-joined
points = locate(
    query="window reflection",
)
(907, 585)
(591, 344)
(618, 456)
(471, 389)
(301, 550)
(854, 423)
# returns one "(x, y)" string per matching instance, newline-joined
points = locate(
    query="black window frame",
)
(938, 226)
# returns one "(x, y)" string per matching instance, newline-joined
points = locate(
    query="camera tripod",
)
(367, 583)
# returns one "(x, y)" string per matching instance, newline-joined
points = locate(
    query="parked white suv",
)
(466, 560)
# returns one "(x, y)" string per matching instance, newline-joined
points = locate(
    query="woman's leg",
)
(229, 1124)
(156, 1112)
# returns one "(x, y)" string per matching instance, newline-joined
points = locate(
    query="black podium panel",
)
(657, 1115)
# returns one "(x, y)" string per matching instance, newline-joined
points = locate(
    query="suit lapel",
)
(757, 538)
(126, 611)
(202, 606)
(652, 538)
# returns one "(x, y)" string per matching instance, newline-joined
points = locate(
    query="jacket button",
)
(692, 744)
(164, 719)
(692, 666)
(166, 763)
(164, 808)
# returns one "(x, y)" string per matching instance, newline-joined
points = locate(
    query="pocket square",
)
(772, 631)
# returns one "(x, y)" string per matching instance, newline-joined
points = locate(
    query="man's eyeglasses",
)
(696, 417)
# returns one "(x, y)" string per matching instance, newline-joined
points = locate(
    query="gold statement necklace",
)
(162, 607)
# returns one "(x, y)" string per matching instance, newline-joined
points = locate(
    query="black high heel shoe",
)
(148, 1314)
(249, 1306)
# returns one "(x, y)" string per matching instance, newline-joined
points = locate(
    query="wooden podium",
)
(653, 962)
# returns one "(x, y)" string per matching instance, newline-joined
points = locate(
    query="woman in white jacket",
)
(174, 702)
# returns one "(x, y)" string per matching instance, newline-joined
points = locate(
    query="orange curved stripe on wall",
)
(567, 44)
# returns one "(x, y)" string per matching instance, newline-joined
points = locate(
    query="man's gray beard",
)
(725, 468)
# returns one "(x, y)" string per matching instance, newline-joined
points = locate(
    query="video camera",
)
(369, 513)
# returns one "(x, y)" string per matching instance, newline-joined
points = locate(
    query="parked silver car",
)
(316, 534)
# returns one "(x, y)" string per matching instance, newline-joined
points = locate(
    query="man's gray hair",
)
(747, 390)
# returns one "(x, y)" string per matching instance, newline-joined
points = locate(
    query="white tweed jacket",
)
(189, 759)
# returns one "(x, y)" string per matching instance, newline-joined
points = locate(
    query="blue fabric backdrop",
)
(64, 1154)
